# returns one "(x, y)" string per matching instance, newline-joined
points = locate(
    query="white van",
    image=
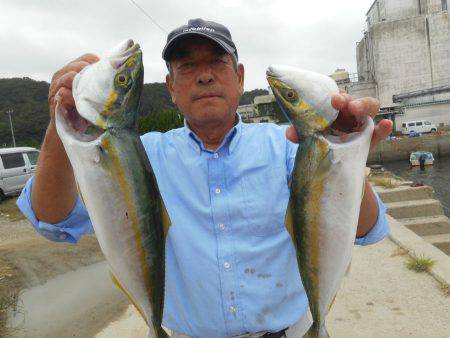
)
(17, 165)
(419, 127)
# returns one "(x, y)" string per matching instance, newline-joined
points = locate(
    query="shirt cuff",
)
(70, 230)
(380, 230)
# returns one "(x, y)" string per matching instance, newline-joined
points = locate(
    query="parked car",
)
(17, 165)
(418, 127)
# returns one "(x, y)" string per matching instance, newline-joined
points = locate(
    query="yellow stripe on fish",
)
(119, 174)
(130, 297)
(109, 103)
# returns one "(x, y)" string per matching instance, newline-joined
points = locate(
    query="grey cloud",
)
(38, 37)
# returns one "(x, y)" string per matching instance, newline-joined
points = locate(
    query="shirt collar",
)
(230, 141)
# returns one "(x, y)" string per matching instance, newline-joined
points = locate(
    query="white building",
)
(262, 110)
(404, 60)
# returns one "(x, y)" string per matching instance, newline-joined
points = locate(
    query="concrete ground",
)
(380, 298)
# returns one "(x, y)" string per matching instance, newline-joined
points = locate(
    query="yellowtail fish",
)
(115, 178)
(326, 186)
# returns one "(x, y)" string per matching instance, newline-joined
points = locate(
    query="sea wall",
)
(400, 149)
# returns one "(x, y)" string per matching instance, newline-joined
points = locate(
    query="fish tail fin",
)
(317, 331)
(158, 333)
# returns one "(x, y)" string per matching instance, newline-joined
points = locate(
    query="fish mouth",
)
(77, 126)
(274, 72)
(270, 73)
(124, 52)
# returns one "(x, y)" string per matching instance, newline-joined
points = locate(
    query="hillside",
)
(28, 99)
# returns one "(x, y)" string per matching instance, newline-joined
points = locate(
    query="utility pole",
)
(9, 112)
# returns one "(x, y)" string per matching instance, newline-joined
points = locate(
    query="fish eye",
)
(122, 79)
(290, 95)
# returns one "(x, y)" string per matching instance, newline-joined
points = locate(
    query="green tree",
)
(248, 97)
(163, 121)
(28, 99)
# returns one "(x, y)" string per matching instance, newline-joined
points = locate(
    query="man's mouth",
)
(206, 96)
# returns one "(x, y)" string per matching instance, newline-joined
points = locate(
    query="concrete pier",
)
(401, 148)
(418, 210)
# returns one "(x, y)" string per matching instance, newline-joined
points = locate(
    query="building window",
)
(444, 5)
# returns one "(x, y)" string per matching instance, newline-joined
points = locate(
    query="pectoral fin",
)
(165, 218)
(289, 221)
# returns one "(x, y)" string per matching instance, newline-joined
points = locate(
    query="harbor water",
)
(436, 176)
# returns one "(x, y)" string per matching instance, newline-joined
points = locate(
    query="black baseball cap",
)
(209, 29)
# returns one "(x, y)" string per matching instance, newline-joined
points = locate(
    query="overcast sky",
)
(37, 37)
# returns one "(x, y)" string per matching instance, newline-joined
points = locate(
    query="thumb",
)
(381, 131)
(291, 134)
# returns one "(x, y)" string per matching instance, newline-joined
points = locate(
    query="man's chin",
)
(210, 114)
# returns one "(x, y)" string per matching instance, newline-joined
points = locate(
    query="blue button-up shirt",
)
(231, 265)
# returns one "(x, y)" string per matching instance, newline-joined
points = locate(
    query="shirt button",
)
(216, 155)
(226, 265)
(217, 191)
(222, 226)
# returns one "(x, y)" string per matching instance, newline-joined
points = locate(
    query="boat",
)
(414, 158)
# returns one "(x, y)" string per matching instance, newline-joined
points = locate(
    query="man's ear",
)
(170, 88)
(240, 74)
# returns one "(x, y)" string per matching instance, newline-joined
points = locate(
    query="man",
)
(231, 265)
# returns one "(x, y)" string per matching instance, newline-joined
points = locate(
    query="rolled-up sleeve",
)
(380, 230)
(70, 230)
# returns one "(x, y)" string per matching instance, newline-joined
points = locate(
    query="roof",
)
(16, 150)
(264, 99)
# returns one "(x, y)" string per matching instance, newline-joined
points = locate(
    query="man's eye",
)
(186, 65)
(221, 60)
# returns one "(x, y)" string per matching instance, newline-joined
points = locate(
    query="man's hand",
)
(62, 83)
(351, 113)
(54, 192)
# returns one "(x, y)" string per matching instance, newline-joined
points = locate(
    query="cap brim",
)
(169, 46)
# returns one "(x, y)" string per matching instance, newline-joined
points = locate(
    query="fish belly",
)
(121, 197)
(326, 192)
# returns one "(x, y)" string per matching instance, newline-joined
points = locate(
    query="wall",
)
(361, 89)
(389, 10)
(401, 57)
(405, 55)
(364, 59)
(434, 6)
(439, 28)
(400, 149)
(436, 113)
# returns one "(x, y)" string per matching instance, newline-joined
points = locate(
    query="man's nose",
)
(205, 74)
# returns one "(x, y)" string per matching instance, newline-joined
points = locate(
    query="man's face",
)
(205, 85)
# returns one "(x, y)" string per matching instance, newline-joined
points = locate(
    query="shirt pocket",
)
(265, 195)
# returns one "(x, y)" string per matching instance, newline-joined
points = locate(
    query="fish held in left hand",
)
(115, 178)
(327, 185)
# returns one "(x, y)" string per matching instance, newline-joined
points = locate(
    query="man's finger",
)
(381, 131)
(291, 134)
(88, 57)
(75, 66)
(366, 106)
(340, 101)
(64, 81)
(65, 97)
